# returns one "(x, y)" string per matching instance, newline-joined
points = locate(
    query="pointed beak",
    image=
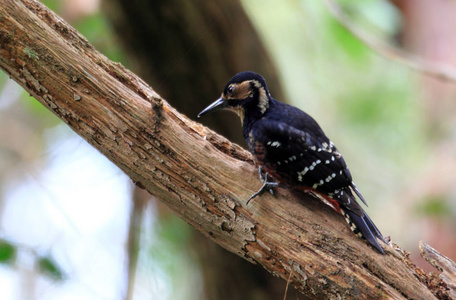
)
(219, 104)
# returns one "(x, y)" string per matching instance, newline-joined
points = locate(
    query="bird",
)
(293, 152)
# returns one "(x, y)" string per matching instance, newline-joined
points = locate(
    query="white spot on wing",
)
(303, 172)
(276, 144)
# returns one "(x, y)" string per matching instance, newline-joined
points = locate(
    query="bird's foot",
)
(267, 185)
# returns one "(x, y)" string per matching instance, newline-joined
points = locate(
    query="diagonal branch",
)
(200, 175)
(414, 62)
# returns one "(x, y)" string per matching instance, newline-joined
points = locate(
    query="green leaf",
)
(48, 267)
(7, 252)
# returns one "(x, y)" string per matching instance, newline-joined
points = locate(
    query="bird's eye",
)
(230, 90)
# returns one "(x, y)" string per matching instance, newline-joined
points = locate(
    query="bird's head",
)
(245, 91)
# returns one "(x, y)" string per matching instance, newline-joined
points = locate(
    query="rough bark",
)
(202, 44)
(201, 176)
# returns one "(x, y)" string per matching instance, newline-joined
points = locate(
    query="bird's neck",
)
(254, 112)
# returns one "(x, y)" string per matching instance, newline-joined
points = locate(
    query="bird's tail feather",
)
(364, 227)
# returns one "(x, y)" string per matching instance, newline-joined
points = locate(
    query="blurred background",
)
(73, 226)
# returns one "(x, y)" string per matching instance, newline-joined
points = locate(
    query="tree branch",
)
(444, 265)
(200, 175)
(414, 62)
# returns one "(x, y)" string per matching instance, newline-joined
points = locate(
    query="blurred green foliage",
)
(49, 267)
(173, 236)
(166, 259)
(436, 207)
(54, 5)
(97, 30)
(340, 38)
(334, 77)
(7, 252)
(46, 264)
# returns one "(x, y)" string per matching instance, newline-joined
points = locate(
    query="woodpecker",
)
(289, 146)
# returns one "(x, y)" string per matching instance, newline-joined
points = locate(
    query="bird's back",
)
(295, 147)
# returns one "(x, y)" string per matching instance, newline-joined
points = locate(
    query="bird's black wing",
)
(298, 158)
(300, 120)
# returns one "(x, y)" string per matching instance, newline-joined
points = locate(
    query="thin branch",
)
(288, 284)
(388, 51)
(139, 202)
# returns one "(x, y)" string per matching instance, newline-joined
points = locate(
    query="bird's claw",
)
(267, 185)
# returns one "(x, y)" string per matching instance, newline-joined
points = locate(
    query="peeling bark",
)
(200, 175)
(447, 282)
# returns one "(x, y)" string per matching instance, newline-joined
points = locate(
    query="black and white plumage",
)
(290, 147)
